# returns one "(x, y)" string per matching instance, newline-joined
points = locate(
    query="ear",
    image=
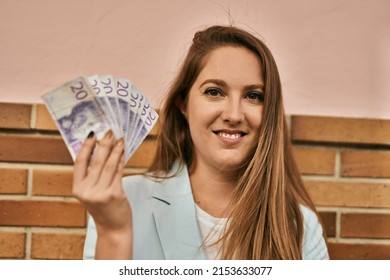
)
(182, 106)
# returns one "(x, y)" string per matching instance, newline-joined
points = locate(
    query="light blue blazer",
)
(165, 225)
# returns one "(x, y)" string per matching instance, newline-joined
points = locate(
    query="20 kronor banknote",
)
(100, 103)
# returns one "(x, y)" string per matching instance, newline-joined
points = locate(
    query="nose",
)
(233, 111)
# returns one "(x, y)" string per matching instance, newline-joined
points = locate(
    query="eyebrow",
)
(222, 83)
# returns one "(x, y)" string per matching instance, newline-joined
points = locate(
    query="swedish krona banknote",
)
(98, 104)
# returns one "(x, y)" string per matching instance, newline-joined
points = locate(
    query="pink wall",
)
(333, 55)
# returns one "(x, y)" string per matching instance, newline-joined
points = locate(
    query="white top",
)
(211, 229)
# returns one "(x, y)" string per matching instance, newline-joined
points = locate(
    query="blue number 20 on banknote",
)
(98, 104)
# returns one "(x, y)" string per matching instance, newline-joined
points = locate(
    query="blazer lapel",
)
(175, 218)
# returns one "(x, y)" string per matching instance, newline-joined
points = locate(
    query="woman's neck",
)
(212, 190)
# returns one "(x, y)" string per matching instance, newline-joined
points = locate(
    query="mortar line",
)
(28, 243)
(29, 182)
(346, 179)
(361, 241)
(338, 224)
(33, 116)
(338, 166)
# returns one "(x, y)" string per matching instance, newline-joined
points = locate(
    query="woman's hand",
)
(97, 184)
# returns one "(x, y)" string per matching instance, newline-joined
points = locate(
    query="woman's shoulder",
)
(139, 184)
(313, 244)
(135, 179)
(178, 175)
(309, 216)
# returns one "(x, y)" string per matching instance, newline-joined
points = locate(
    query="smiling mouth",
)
(229, 135)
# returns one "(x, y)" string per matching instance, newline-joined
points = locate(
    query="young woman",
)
(224, 184)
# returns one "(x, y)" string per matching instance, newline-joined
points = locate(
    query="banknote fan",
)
(100, 103)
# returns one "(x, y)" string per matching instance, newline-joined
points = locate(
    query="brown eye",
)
(255, 96)
(214, 92)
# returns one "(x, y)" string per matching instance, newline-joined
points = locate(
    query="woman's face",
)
(224, 108)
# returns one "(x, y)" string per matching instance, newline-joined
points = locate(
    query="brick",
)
(340, 130)
(355, 163)
(41, 213)
(15, 115)
(349, 194)
(144, 155)
(318, 161)
(13, 181)
(57, 246)
(34, 149)
(365, 225)
(44, 121)
(328, 220)
(52, 182)
(155, 130)
(12, 245)
(346, 251)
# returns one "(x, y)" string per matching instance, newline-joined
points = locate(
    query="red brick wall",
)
(345, 164)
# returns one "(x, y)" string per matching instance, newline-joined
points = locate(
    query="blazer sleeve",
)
(90, 240)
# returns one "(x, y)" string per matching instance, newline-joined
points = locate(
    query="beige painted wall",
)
(333, 55)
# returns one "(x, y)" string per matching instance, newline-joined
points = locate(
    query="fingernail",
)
(120, 143)
(108, 134)
(91, 134)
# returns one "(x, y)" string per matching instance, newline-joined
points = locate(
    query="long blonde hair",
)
(265, 221)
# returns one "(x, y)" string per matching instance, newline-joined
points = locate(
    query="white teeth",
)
(229, 136)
